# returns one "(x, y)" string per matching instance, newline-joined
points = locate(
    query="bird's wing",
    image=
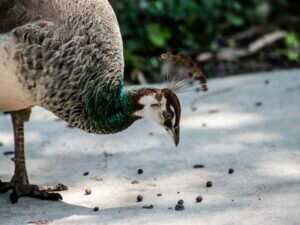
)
(14, 13)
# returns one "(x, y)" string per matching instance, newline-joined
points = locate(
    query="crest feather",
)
(180, 71)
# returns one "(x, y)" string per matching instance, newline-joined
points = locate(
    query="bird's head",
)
(161, 106)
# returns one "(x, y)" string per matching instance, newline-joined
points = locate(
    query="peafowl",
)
(67, 57)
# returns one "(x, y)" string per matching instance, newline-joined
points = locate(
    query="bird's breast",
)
(12, 95)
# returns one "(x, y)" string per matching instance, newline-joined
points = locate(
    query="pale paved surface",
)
(261, 143)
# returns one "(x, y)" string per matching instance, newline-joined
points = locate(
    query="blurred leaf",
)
(158, 35)
(292, 55)
(292, 40)
(235, 20)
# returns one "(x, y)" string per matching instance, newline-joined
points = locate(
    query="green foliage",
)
(151, 27)
(291, 52)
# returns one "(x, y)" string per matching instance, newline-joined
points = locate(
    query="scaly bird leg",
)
(20, 183)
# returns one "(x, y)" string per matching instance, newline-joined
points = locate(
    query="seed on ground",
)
(198, 166)
(179, 207)
(209, 184)
(180, 202)
(139, 198)
(257, 104)
(199, 199)
(88, 191)
(86, 173)
(147, 207)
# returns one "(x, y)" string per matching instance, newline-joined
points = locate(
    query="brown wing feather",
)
(194, 72)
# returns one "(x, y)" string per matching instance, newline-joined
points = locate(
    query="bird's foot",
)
(33, 191)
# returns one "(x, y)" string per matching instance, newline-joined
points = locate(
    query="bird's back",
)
(64, 52)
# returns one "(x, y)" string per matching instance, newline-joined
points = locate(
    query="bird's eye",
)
(155, 105)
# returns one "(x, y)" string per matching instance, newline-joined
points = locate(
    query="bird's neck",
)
(111, 113)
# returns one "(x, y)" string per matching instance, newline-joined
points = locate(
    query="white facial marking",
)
(152, 113)
(153, 109)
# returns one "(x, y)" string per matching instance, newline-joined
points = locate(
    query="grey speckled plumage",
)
(69, 56)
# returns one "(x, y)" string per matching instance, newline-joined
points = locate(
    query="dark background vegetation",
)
(194, 27)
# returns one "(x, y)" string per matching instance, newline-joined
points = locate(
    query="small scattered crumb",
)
(209, 184)
(151, 133)
(88, 191)
(170, 208)
(178, 192)
(70, 126)
(267, 82)
(203, 124)
(86, 173)
(259, 199)
(194, 108)
(199, 199)
(159, 194)
(230, 171)
(139, 198)
(232, 200)
(198, 166)
(147, 207)
(134, 182)
(140, 171)
(96, 209)
(1, 144)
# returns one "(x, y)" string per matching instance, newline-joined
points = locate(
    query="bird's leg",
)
(20, 183)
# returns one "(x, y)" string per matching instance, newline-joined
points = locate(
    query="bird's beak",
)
(175, 133)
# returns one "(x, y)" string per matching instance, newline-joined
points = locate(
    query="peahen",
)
(67, 57)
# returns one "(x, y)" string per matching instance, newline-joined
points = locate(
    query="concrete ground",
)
(248, 123)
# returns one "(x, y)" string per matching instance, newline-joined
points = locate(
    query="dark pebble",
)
(159, 194)
(209, 184)
(257, 104)
(230, 171)
(179, 207)
(135, 182)
(96, 209)
(199, 198)
(139, 198)
(180, 202)
(140, 171)
(198, 166)
(86, 173)
(147, 207)
(8, 153)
